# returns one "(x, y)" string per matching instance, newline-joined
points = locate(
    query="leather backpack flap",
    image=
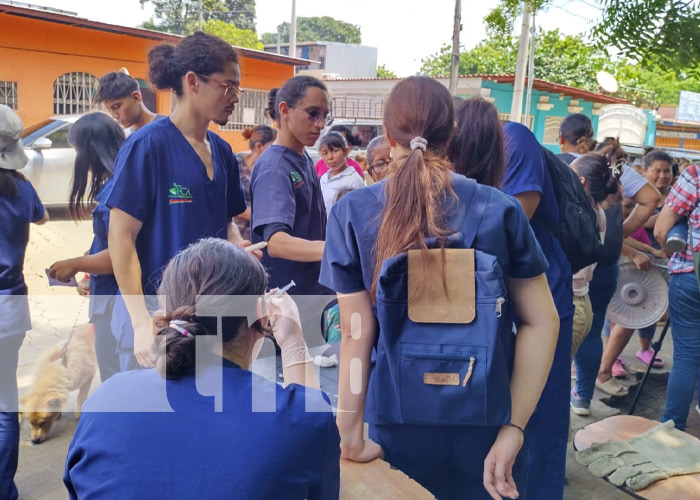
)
(434, 299)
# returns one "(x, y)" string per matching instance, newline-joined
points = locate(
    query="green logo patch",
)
(179, 194)
(297, 180)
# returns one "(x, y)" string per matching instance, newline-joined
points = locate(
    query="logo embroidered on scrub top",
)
(296, 179)
(179, 194)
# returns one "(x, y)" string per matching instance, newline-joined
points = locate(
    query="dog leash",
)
(62, 355)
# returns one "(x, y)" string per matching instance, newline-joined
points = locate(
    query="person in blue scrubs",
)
(453, 462)
(96, 139)
(19, 207)
(287, 209)
(137, 441)
(527, 179)
(175, 182)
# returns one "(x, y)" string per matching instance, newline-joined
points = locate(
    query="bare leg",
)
(619, 337)
(644, 344)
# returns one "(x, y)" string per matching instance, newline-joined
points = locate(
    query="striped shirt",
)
(684, 199)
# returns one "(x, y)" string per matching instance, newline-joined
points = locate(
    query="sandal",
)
(612, 387)
(645, 357)
(618, 369)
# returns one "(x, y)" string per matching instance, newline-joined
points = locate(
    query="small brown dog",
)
(55, 378)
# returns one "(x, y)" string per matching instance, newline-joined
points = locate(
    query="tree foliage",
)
(229, 33)
(312, 29)
(501, 18)
(181, 16)
(383, 72)
(568, 60)
(664, 33)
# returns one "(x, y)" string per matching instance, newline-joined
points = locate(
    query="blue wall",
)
(503, 95)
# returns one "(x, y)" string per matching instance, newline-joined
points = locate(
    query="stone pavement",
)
(55, 311)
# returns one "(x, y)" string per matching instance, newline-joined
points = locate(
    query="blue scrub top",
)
(348, 261)
(15, 216)
(130, 444)
(284, 189)
(102, 286)
(160, 180)
(526, 171)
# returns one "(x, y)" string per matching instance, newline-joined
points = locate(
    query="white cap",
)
(12, 154)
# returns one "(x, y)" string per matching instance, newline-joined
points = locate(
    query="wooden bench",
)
(376, 480)
(622, 427)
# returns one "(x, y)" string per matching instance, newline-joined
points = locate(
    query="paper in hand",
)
(55, 282)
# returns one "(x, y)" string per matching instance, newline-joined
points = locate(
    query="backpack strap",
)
(475, 209)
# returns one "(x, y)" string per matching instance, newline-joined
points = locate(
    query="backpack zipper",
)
(472, 359)
(499, 306)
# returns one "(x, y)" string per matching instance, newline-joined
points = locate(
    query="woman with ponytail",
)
(175, 182)
(96, 138)
(287, 208)
(418, 201)
(201, 424)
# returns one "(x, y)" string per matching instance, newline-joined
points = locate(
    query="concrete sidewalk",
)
(55, 311)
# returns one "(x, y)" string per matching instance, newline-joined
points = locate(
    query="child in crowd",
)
(321, 167)
(19, 207)
(334, 151)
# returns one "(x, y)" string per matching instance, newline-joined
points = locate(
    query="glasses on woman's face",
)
(315, 116)
(379, 166)
(229, 88)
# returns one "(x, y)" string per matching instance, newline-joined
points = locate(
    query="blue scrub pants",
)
(446, 460)
(549, 424)
(105, 346)
(9, 424)
(589, 354)
(684, 308)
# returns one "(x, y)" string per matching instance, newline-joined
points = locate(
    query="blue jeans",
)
(9, 424)
(684, 308)
(588, 356)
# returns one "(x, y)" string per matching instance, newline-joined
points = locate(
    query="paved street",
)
(56, 310)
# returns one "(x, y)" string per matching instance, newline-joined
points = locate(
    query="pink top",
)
(322, 168)
(641, 236)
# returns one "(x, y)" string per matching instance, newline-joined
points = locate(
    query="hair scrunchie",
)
(419, 143)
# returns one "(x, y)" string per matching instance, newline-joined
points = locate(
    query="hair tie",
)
(177, 325)
(419, 143)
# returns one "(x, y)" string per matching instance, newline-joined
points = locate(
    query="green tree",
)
(229, 33)
(664, 33)
(312, 29)
(383, 72)
(502, 17)
(181, 16)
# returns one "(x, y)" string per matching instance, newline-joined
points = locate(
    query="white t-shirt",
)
(331, 186)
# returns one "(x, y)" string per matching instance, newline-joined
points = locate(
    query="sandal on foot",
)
(645, 357)
(618, 369)
(612, 387)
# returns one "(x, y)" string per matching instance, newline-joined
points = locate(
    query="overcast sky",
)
(405, 31)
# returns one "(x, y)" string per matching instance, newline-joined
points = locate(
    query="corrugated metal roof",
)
(538, 84)
(35, 12)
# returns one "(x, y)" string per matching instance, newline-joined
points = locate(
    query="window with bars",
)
(249, 111)
(505, 117)
(73, 93)
(8, 94)
(551, 129)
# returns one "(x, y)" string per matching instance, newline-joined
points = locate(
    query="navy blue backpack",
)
(456, 370)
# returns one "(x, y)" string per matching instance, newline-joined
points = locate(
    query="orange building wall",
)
(34, 53)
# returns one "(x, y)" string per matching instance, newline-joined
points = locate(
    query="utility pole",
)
(530, 73)
(516, 107)
(199, 11)
(293, 31)
(454, 68)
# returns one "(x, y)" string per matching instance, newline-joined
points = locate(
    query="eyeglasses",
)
(229, 87)
(379, 166)
(315, 116)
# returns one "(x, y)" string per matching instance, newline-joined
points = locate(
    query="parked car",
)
(51, 158)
